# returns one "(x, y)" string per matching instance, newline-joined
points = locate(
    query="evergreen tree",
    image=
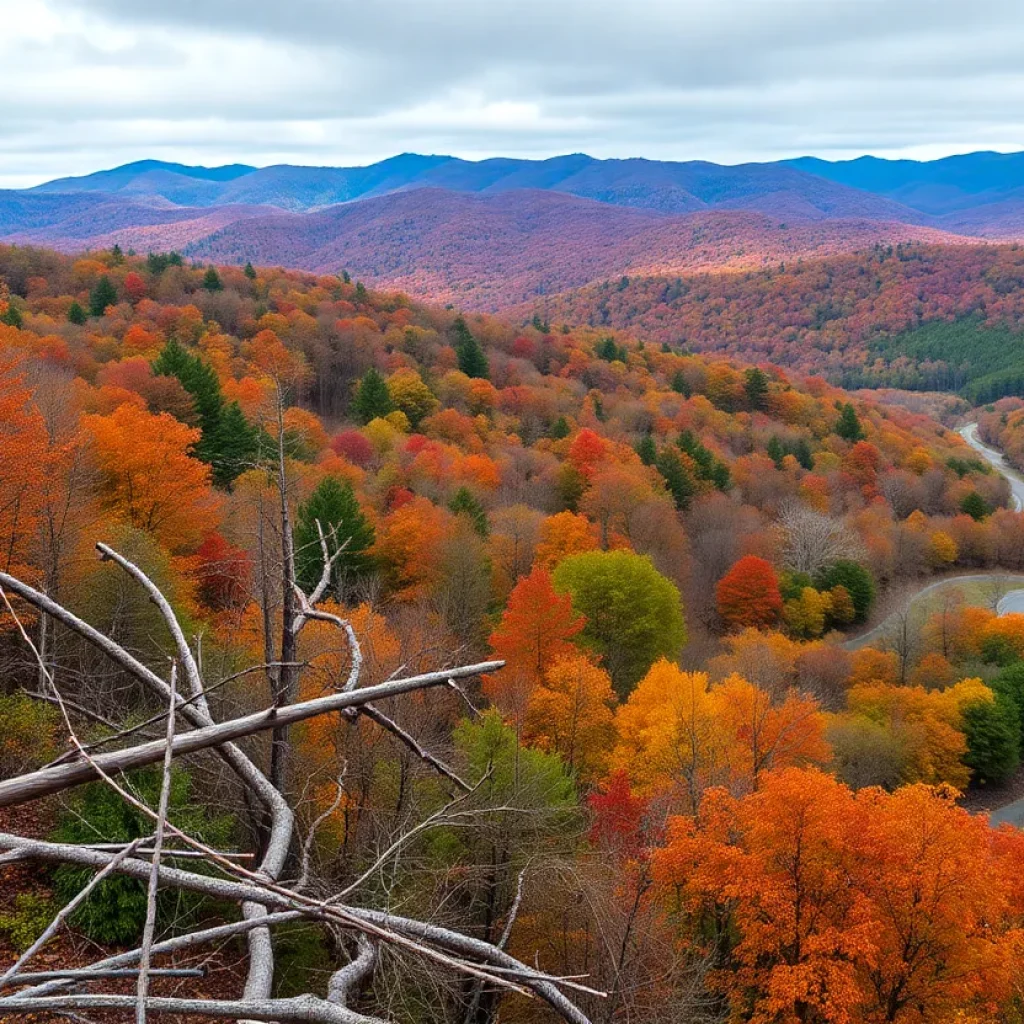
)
(228, 443)
(249, 271)
(11, 316)
(157, 263)
(848, 425)
(76, 314)
(680, 384)
(975, 506)
(333, 503)
(775, 451)
(857, 580)
(346, 277)
(803, 454)
(992, 731)
(465, 503)
(103, 295)
(756, 387)
(212, 281)
(371, 398)
(472, 361)
(174, 259)
(678, 481)
(117, 255)
(646, 450)
(361, 294)
(560, 429)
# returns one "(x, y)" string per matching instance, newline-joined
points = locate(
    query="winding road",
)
(996, 459)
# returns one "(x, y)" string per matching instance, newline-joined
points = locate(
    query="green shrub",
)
(32, 913)
(116, 911)
(28, 731)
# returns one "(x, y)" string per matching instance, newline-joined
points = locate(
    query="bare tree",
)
(266, 898)
(813, 540)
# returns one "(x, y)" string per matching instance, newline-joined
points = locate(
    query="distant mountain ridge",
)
(495, 232)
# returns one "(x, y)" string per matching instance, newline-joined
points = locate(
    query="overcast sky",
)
(89, 84)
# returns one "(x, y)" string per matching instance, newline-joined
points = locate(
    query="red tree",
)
(748, 594)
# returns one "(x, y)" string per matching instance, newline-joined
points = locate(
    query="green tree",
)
(103, 294)
(848, 425)
(775, 451)
(212, 281)
(11, 316)
(560, 429)
(117, 255)
(249, 271)
(371, 398)
(857, 580)
(680, 384)
(634, 614)
(756, 386)
(333, 503)
(1010, 684)
(974, 505)
(228, 443)
(465, 503)
(76, 314)
(678, 480)
(647, 450)
(472, 361)
(992, 730)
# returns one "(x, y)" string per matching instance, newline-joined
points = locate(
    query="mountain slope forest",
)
(493, 233)
(920, 317)
(680, 791)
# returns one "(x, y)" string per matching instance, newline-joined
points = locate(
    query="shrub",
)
(32, 913)
(116, 911)
(27, 734)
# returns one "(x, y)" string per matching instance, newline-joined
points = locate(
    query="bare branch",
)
(54, 780)
(158, 844)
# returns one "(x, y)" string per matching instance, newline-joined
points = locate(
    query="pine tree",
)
(848, 425)
(228, 443)
(472, 361)
(250, 271)
(677, 478)
(333, 503)
(11, 316)
(371, 398)
(465, 503)
(775, 451)
(212, 281)
(756, 387)
(680, 384)
(975, 506)
(102, 296)
(117, 255)
(76, 314)
(647, 450)
(560, 429)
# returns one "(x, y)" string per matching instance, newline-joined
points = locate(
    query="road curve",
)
(998, 461)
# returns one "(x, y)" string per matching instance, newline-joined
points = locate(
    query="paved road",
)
(998, 460)
(1013, 601)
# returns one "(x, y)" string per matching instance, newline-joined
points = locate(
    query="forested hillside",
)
(921, 317)
(665, 550)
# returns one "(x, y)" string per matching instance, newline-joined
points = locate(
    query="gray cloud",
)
(98, 82)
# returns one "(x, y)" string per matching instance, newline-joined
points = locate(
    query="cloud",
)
(100, 82)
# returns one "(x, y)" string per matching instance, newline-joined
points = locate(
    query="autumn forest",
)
(605, 659)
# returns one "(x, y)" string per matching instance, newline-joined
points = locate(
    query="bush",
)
(32, 913)
(28, 731)
(116, 911)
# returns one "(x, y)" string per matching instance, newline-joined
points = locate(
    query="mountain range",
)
(493, 233)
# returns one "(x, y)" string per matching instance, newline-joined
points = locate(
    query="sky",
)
(90, 84)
